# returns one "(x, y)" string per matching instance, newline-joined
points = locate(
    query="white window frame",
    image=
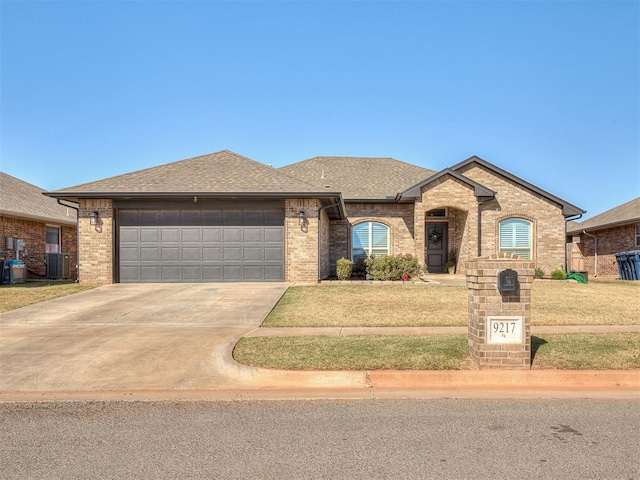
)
(638, 235)
(516, 245)
(369, 249)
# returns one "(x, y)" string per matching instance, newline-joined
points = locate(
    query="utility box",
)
(58, 265)
(13, 272)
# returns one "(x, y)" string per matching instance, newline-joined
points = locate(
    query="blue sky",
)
(546, 90)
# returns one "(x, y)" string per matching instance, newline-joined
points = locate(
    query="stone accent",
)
(610, 241)
(96, 243)
(301, 250)
(33, 233)
(485, 300)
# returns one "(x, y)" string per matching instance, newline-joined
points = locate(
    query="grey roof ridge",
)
(568, 209)
(352, 156)
(479, 189)
(68, 191)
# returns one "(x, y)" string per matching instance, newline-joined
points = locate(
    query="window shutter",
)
(515, 237)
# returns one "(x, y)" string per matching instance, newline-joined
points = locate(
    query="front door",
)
(435, 250)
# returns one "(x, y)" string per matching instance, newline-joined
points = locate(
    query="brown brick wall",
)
(33, 233)
(513, 200)
(301, 249)
(96, 243)
(398, 217)
(462, 218)
(610, 241)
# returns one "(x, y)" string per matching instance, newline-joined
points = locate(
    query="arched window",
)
(369, 239)
(515, 237)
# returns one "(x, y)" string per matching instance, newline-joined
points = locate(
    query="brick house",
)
(594, 242)
(224, 217)
(41, 222)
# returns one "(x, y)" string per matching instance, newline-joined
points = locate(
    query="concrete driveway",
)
(131, 337)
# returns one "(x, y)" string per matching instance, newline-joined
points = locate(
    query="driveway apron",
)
(131, 337)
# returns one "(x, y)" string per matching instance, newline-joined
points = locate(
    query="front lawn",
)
(587, 351)
(21, 295)
(552, 303)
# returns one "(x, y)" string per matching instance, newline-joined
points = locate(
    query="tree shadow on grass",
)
(536, 343)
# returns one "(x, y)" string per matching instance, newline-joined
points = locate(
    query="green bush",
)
(344, 268)
(539, 273)
(359, 268)
(558, 275)
(392, 267)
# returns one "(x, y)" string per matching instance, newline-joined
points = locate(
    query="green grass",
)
(17, 296)
(587, 351)
(444, 352)
(552, 303)
(614, 351)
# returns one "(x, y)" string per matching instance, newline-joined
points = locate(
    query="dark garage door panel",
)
(201, 253)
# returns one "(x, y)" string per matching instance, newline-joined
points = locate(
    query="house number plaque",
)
(505, 330)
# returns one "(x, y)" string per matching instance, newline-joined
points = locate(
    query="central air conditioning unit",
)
(58, 265)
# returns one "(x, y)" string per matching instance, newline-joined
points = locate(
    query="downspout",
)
(320, 234)
(595, 268)
(480, 203)
(77, 209)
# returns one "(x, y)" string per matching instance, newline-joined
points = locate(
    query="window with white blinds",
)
(370, 239)
(515, 237)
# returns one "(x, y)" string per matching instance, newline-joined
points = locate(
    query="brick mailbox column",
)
(500, 311)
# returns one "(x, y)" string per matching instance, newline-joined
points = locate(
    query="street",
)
(448, 438)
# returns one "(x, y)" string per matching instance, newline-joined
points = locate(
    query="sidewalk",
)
(296, 332)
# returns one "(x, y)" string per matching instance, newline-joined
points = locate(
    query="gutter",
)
(77, 209)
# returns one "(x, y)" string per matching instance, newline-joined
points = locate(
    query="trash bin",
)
(629, 265)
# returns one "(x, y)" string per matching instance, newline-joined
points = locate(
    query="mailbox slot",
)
(507, 280)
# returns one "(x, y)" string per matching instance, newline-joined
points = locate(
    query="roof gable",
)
(223, 172)
(358, 178)
(622, 214)
(478, 189)
(23, 200)
(568, 209)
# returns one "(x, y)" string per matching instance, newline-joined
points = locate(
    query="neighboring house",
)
(224, 217)
(41, 222)
(594, 242)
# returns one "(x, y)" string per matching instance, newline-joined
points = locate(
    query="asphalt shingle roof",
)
(359, 178)
(21, 199)
(220, 172)
(626, 213)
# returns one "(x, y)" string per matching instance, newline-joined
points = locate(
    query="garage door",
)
(207, 245)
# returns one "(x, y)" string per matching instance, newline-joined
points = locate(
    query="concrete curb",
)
(420, 379)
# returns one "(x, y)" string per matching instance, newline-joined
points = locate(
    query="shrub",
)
(360, 267)
(539, 273)
(392, 267)
(344, 268)
(559, 275)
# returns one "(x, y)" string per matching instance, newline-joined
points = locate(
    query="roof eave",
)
(605, 226)
(40, 218)
(568, 209)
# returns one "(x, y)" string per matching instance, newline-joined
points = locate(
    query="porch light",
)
(93, 218)
(302, 218)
